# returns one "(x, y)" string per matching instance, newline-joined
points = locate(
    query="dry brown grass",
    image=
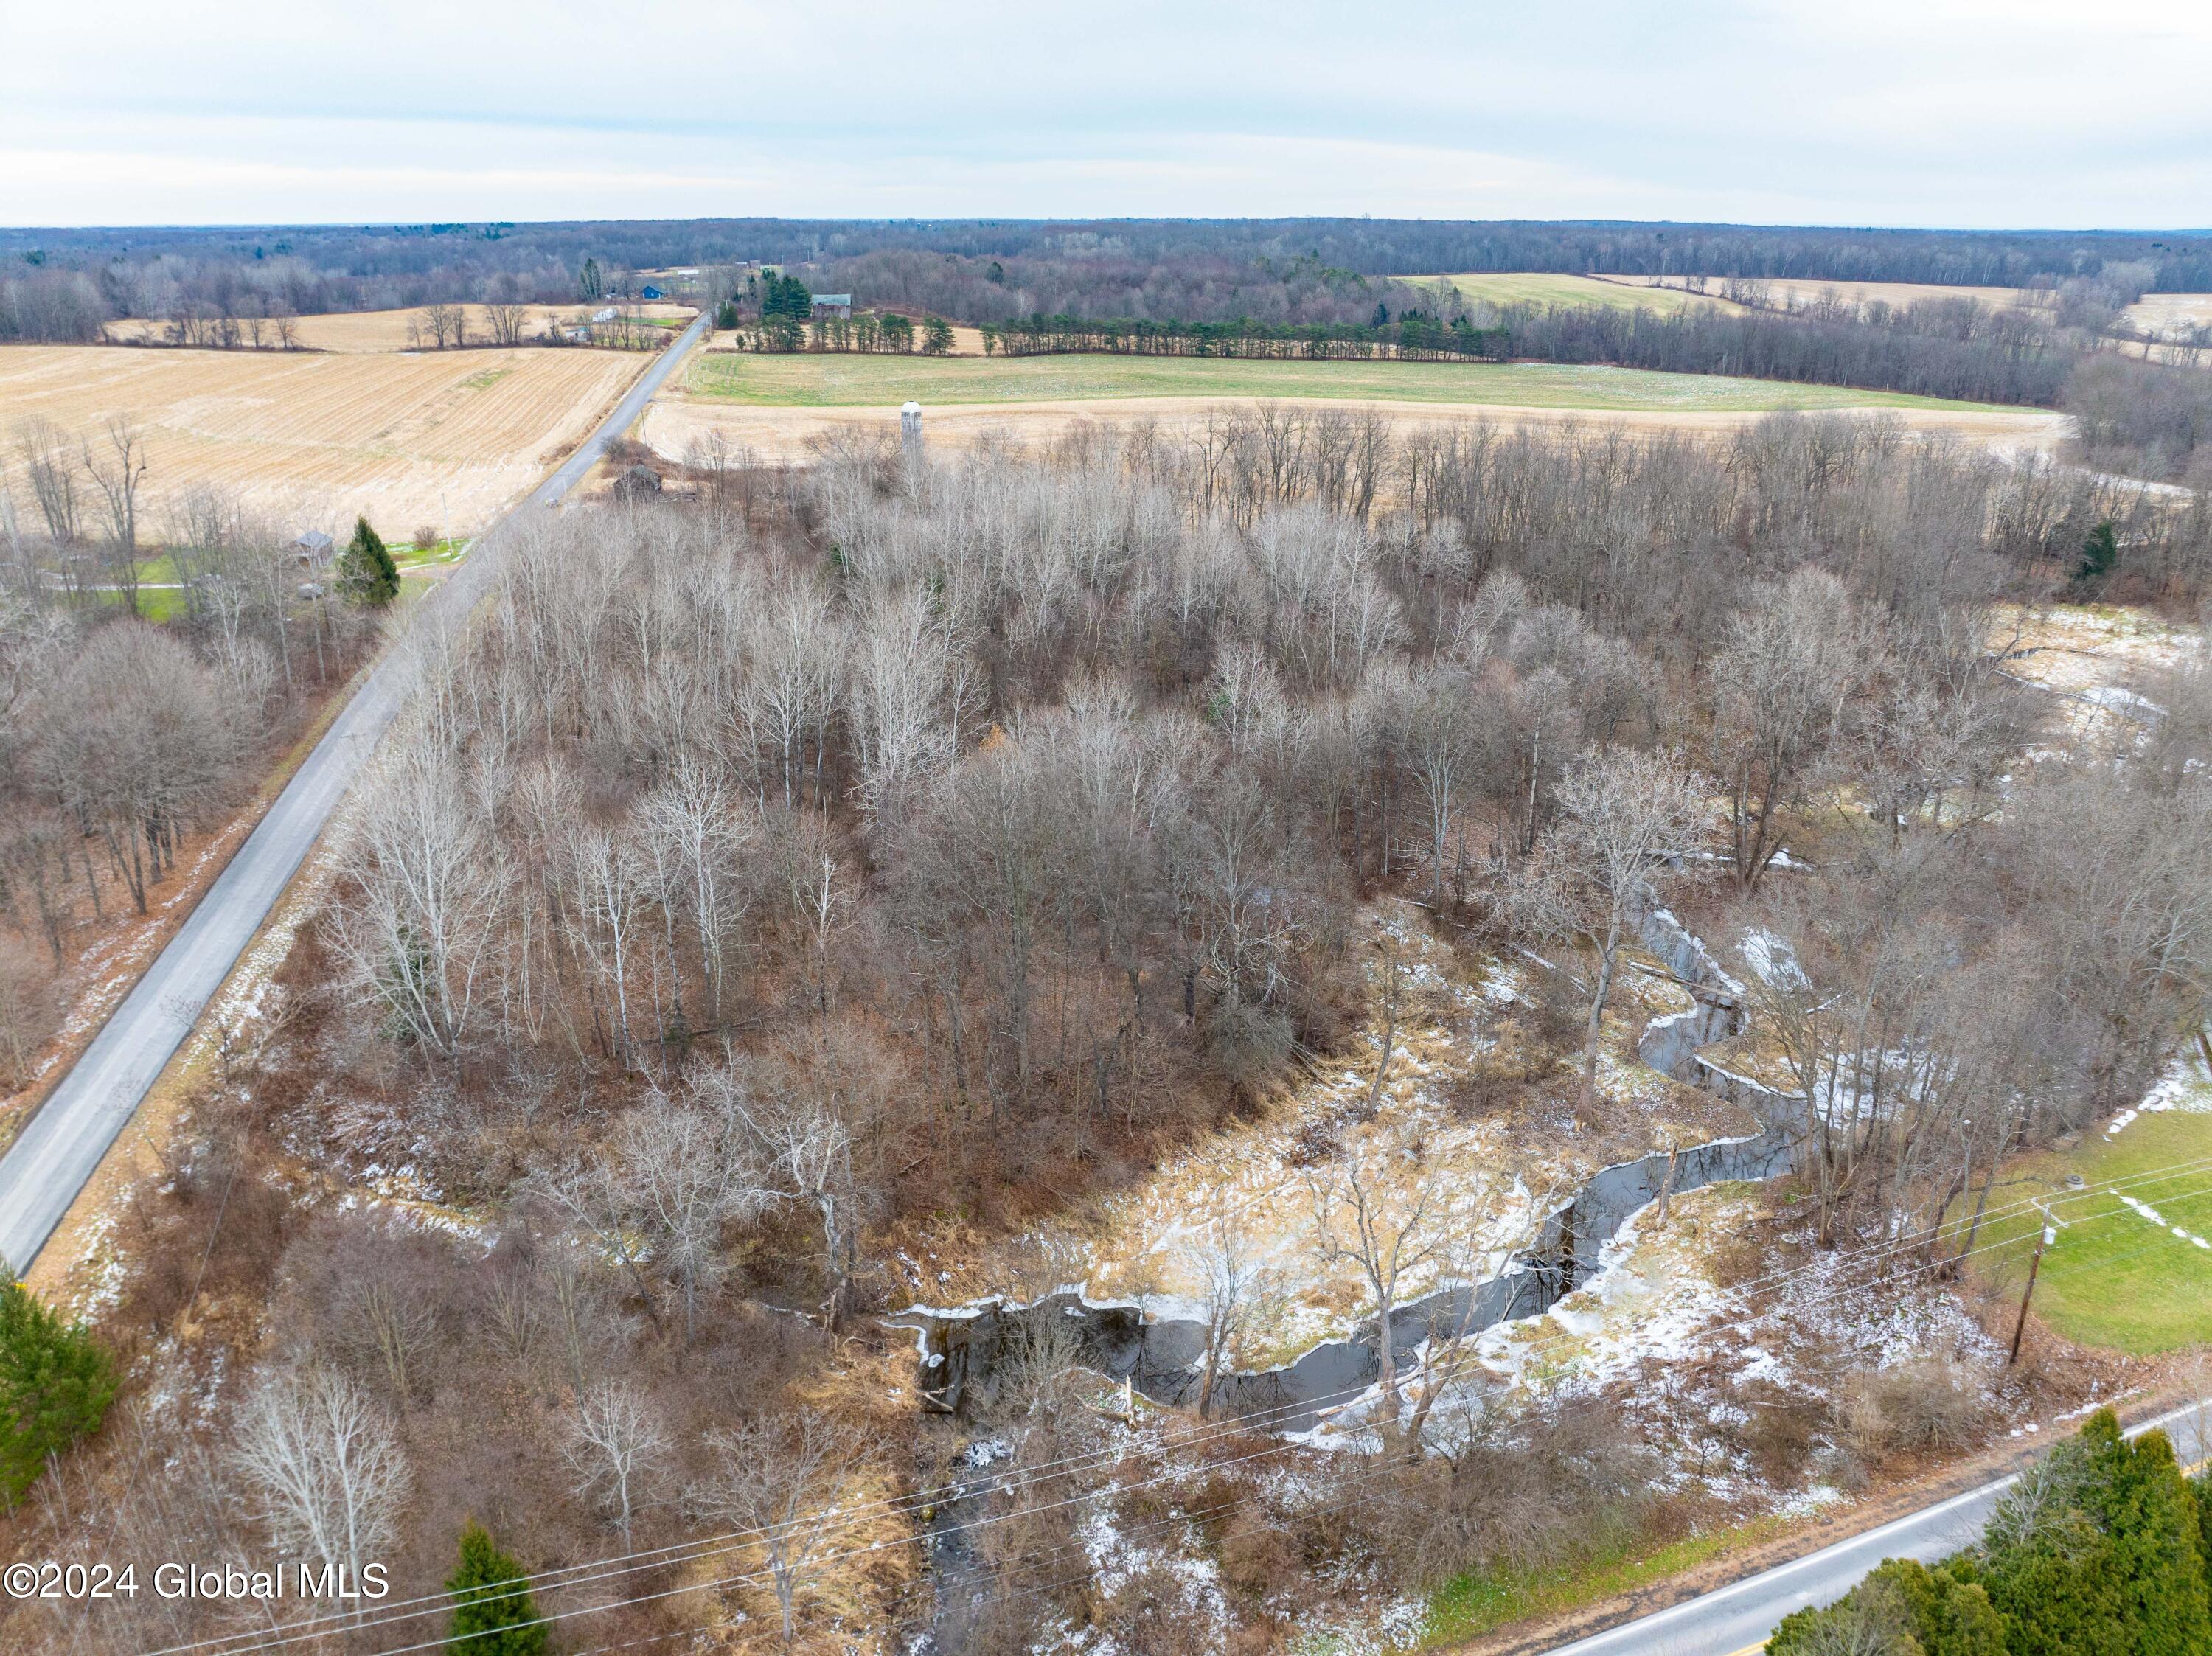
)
(313, 439)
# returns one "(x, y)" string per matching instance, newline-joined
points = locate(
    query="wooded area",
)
(784, 875)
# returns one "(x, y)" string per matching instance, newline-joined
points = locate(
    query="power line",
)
(1243, 1427)
(691, 1551)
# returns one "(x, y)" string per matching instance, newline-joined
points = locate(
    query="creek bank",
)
(961, 1348)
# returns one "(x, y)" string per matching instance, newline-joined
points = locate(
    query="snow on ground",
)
(2186, 1086)
(2095, 656)
(1487, 1179)
(2157, 1218)
(1685, 1355)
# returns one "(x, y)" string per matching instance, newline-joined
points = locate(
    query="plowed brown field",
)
(441, 438)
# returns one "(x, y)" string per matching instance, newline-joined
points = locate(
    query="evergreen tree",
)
(726, 315)
(937, 336)
(2100, 553)
(590, 283)
(1950, 1617)
(1872, 1619)
(2104, 1557)
(494, 1614)
(56, 1383)
(786, 296)
(2151, 1514)
(366, 570)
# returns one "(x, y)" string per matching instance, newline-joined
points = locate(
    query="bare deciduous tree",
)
(1387, 1232)
(615, 1444)
(322, 1467)
(1621, 809)
(785, 1482)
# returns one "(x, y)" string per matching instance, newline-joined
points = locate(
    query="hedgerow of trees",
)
(2097, 1551)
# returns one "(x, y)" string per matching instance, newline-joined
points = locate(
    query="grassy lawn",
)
(1469, 1606)
(1543, 287)
(414, 557)
(840, 379)
(2116, 1277)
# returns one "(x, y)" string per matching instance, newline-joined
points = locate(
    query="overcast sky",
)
(1964, 112)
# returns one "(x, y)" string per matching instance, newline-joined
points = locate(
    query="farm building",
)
(651, 292)
(833, 304)
(313, 550)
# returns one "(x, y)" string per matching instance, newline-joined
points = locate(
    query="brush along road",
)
(56, 1153)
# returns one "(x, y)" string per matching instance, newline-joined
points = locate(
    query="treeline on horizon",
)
(1316, 286)
(1977, 356)
(62, 284)
(1384, 247)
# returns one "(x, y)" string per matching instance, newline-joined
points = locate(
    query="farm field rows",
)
(809, 380)
(313, 439)
(1547, 287)
(370, 331)
(2169, 315)
(1795, 293)
(783, 406)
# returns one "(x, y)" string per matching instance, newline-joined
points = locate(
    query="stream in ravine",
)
(1158, 1356)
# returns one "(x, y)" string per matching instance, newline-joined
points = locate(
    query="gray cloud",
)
(1937, 112)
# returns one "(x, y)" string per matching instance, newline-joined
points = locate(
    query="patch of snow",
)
(2157, 1218)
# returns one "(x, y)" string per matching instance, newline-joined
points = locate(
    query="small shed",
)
(314, 550)
(640, 482)
(833, 304)
(649, 291)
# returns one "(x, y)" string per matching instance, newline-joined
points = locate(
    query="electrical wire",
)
(575, 1576)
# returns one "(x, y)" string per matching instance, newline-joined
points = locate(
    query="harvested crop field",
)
(1544, 287)
(1796, 293)
(2169, 316)
(783, 408)
(837, 379)
(673, 427)
(357, 331)
(313, 439)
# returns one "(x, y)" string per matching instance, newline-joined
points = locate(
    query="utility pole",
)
(2049, 1235)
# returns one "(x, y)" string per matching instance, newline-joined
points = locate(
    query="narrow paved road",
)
(1736, 1620)
(50, 1162)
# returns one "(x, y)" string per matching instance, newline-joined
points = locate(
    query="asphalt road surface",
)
(1736, 1620)
(50, 1162)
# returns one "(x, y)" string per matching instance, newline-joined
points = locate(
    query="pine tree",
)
(2100, 553)
(56, 1383)
(937, 336)
(2150, 1512)
(494, 1614)
(1950, 1617)
(366, 571)
(590, 284)
(2111, 1564)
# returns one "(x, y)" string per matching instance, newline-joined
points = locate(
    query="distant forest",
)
(1346, 279)
(63, 283)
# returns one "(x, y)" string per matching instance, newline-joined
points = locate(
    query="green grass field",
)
(841, 379)
(1542, 287)
(2115, 1277)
